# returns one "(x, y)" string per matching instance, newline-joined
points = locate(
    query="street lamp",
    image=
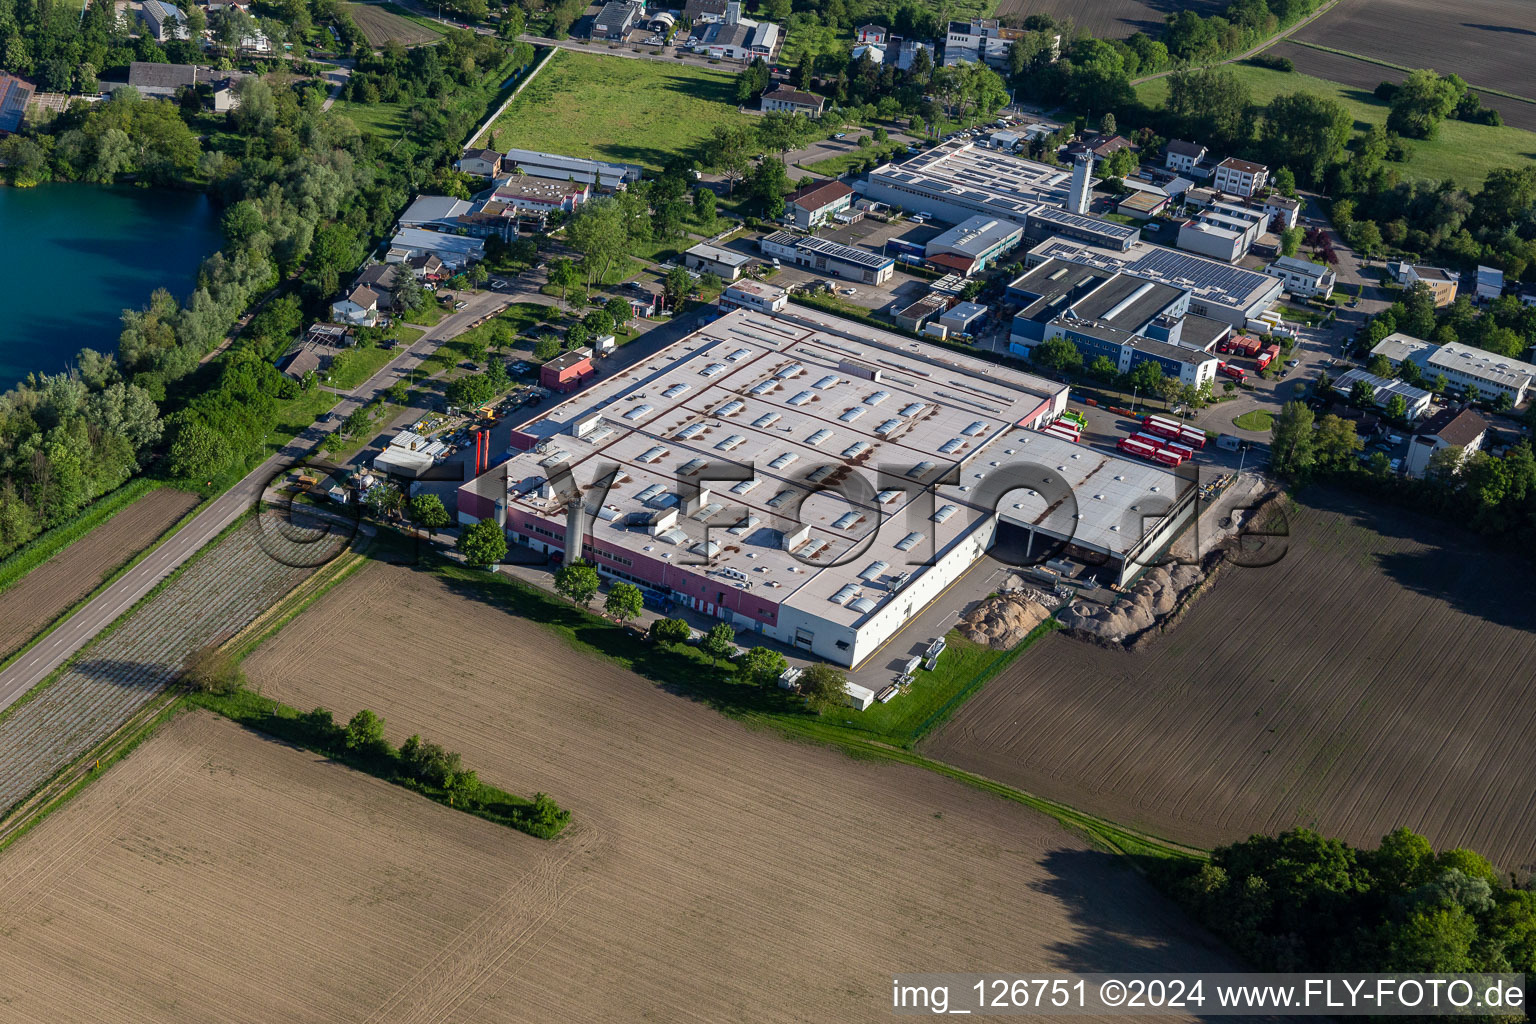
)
(1134, 390)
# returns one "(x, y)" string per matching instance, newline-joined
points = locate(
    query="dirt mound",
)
(1002, 621)
(1155, 595)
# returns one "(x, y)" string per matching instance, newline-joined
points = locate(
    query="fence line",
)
(538, 65)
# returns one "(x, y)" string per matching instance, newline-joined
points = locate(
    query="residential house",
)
(482, 163)
(1490, 283)
(1240, 177)
(907, 52)
(793, 100)
(15, 94)
(381, 278)
(1284, 212)
(359, 306)
(702, 12)
(812, 205)
(1442, 283)
(427, 267)
(1450, 428)
(162, 21)
(615, 20)
(736, 37)
(877, 35)
(1303, 278)
(1183, 156)
(645, 302)
(1095, 144)
(225, 98)
(313, 353)
(164, 80)
(876, 53)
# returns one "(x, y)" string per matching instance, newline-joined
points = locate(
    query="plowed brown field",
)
(1379, 675)
(723, 873)
(1109, 19)
(47, 591)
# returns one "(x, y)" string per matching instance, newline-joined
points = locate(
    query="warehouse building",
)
(958, 180)
(1047, 222)
(572, 168)
(1128, 350)
(828, 257)
(727, 264)
(1492, 374)
(1233, 295)
(786, 474)
(975, 243)
(1062, 288)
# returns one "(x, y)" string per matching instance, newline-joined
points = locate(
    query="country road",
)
(81, 627)
(1261, 47)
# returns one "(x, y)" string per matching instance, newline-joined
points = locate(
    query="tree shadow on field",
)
(130, 675)
(1122, 923)
(1453, 565)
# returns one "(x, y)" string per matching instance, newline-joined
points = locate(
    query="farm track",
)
(114, 677)
(1369, 680)
(52, 588)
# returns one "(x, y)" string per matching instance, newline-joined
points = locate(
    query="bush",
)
(210, 670)
(365, 733)
(671, 631)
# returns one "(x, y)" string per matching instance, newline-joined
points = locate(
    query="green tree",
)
(760, 666)
(676, 286)
(1103, 369)
(671, 631)
(1291, 440)
(1284, 182)
(1058, 354)
(483, 542)
(365, 733)
(619, 312)
(210, 669)
(578, 581)
(546, 348)
(1290, 240)
(1307, 132)
(704, 209)
(427, 511)
(1397, 408)
(1422, 102)
(822, 686)
(1361, 392)
(624, 602)
(719, 641)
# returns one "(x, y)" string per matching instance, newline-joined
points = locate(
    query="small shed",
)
(859, 697)
(962, 317)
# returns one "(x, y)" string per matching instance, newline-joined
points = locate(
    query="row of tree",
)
(1301, 902)
(1146, 378)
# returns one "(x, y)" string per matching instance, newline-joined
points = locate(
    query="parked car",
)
(839, 135)
(460, 304)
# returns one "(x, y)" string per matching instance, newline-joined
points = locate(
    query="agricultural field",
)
(770, 880)
(1462, 152)
(1486, 42)
(380, 25)
(1108, 19)
(629, 111)
(109, 681)
(216, 874)
(1366, 75)
(51, 589)
(1377, 676)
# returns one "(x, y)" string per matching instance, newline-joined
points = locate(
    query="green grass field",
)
(357, 364)
(837, 166)
(1463, 152)
(384, 120)
(1257, 420)
(631, 111)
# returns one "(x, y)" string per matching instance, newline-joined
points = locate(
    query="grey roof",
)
(1120, 300)
(1193, 150)
(434, 210)
(573, 164)
(1202, 331)
(975, 236)
(1209, 280)
(784, 94)
(1382, 386)
(1300, 266)
(715, 254)
(144, 75)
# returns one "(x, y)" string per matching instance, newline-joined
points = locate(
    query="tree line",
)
(1301, 902)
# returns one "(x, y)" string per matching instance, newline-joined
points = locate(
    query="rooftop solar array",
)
(845, 253)
(1209, 280)
(1078, 222)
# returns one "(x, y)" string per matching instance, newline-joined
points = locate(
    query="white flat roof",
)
(715, 254)
(771, 397)
(975, 236)
(961, 170)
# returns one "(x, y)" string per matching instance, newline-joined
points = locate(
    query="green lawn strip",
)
(631, 111)
(688, 671)
(49, 543)
(1460, 151)
(355, 365)
(406, 336)
(385, 120)
(426, 315)
(111, 627)
(837, 166)
(315, 731)
(1404, 68)
(1255, 419)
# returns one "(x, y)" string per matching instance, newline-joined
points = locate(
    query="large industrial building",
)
(1230, 294)
(956, 181)
(816, 480)
(1492, 374)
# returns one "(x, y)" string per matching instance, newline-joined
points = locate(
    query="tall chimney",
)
(1082, 174)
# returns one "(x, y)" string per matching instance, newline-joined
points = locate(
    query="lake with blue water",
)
(72, 257)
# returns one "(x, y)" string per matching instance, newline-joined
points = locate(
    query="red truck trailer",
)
(1131, 446)
(1162, 426)
(1240, 344)
(1192, 437)
(1228, 370)
(1268, 356)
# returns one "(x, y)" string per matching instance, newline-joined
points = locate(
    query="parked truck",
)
(1228, 370)
(1269, 355)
